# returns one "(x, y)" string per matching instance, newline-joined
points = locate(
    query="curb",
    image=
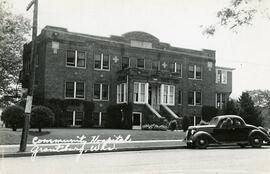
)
(29, 154)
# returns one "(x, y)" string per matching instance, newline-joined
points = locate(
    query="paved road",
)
(187, 161)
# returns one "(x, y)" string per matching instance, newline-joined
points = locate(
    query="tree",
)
(13, 116)
(231, 108)
(14, 30)
(41, 117)
(208, 112)
(238, 13)
(260, 98)
(248, 111)
(185, 123)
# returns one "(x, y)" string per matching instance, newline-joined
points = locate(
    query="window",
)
(140, 63)
(194, 72)
(180, 97)
(194, 98)
(75, 90)
(75, 58)
(135, 43)
(122, 93)
(167, 94)
(125, 62)
(74, 118)
(220, 100)
(99, 119)
(221, 76)
(156, 65)
(101, 91)
(176, 68)
(102, 61)
(140, 92)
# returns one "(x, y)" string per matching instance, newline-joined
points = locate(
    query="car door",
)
(241, 130)
(224, 133)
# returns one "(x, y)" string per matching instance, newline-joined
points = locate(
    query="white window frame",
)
(74, 118)
(76, 60)
(223, 76)
(128, 62)
(120, 92)
(101, 66)
(194, 99)
(168, 95)
(175, 68)
(146, 88)
(221, 106)
(140, 126)
(75, 88)
(100, 92)
(143, 63)
(194, 73)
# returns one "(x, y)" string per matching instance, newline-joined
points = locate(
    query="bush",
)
(208, 112)
(13, 116)
(173, 125)
(185, 123)
(118, 116)
(41, 117)
(154, 127)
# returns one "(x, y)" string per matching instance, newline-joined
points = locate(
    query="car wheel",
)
(256, 141)
(201, 142)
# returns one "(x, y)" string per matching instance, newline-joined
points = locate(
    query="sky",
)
(177, 22)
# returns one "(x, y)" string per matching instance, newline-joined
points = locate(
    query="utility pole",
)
(31, 86)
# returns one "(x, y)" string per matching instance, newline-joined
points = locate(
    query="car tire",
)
(201, 142)
(255, 141)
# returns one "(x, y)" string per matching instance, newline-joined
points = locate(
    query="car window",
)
(226, 123)
(237, 122)
(213, 121)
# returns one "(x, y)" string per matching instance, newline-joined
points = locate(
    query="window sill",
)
(121, 102)
(141, 103)
(195, 105)
(194, 79)
(74, 98)
(102, 69)
(75, 67)
(100, 100)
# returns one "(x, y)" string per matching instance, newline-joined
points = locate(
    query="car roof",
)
(227, 116)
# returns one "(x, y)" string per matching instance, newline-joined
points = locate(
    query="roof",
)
(225, 68)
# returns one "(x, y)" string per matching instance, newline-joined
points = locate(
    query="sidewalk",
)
(75, 148)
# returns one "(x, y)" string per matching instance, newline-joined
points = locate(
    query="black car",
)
(226, 129)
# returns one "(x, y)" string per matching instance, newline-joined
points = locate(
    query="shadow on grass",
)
(36, 133)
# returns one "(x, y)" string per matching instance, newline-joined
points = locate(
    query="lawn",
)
(7, 136)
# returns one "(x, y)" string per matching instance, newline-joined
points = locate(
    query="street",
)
(188, 161)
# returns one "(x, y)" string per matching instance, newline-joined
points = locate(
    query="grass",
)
(7, 136)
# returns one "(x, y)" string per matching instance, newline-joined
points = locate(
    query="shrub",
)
(154, 127)
(118, 116)
(208, 112)
(41, 117)
(173, 125)
(185, 123)
(13, 116)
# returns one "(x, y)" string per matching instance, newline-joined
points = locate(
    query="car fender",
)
(202, 133)
(261, 133)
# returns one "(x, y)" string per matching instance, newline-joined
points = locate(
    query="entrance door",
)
(154, 96)
(136, 120)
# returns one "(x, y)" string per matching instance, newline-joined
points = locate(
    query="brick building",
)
(156, 79)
